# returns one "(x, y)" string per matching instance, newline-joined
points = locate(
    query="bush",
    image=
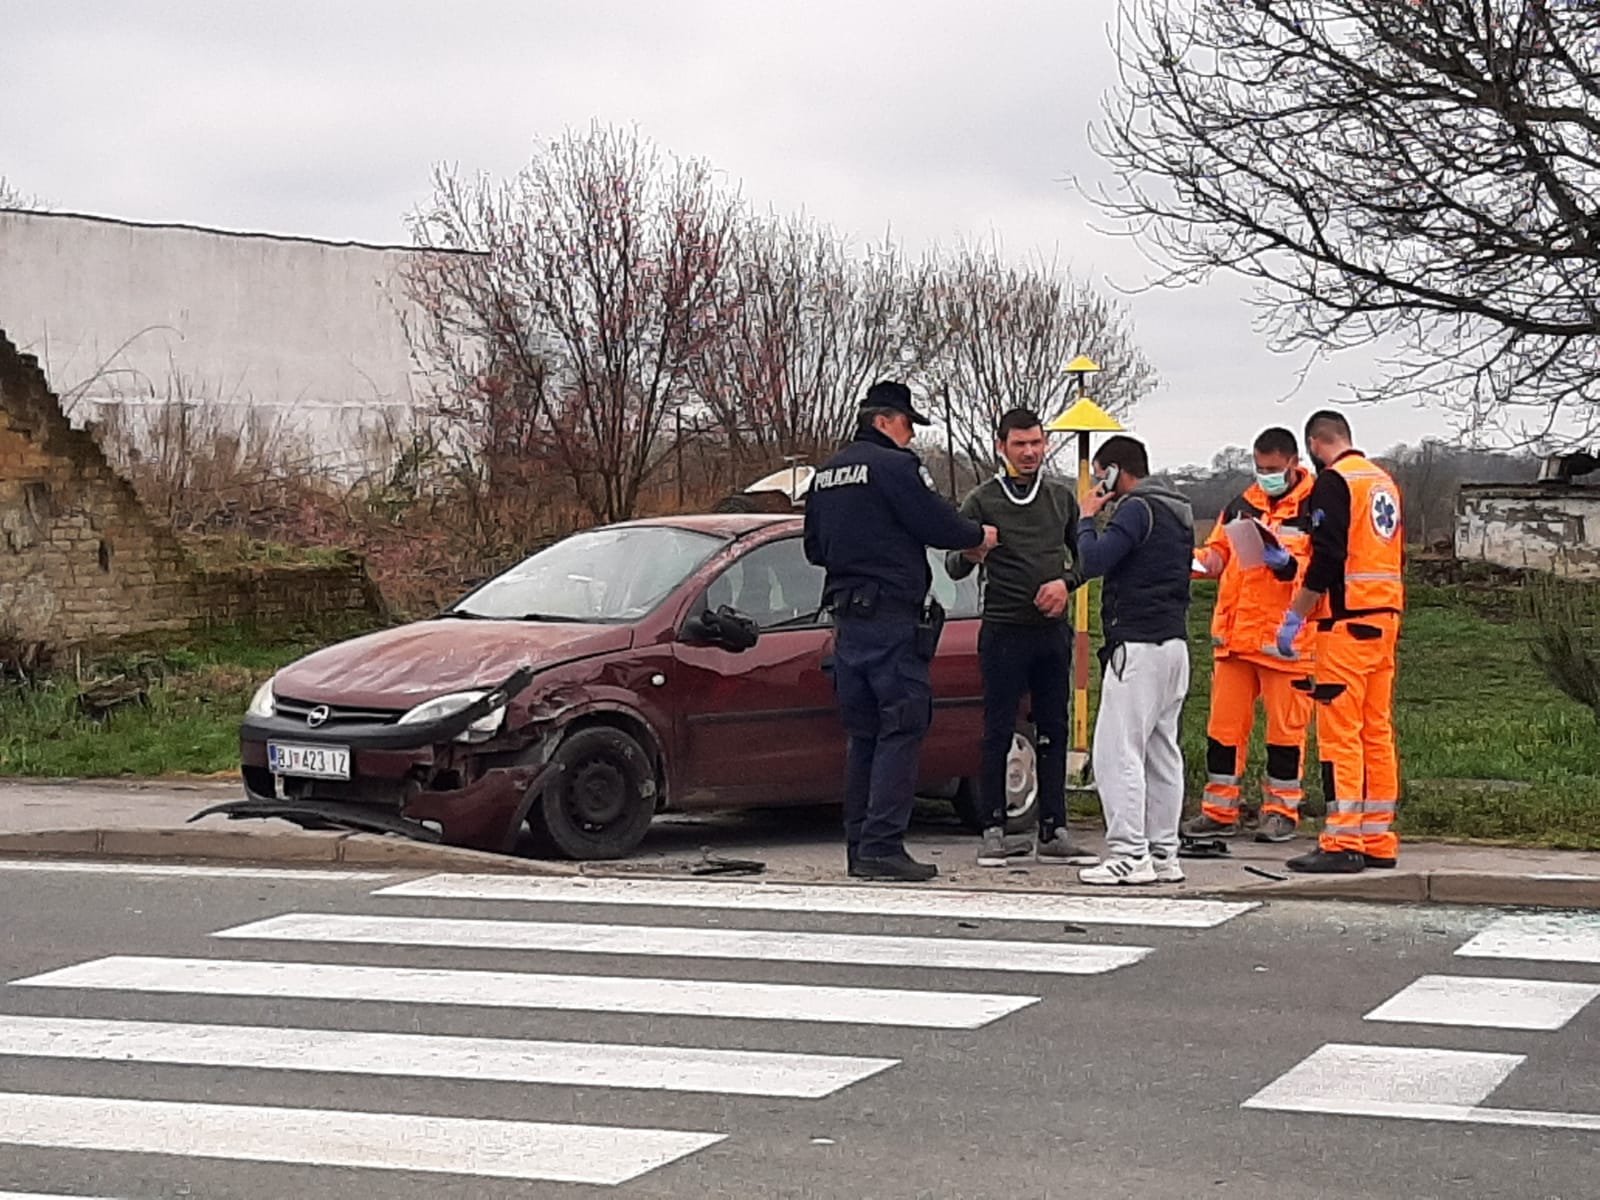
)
(1566, 641)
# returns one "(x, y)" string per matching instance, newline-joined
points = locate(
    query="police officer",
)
(871, 515)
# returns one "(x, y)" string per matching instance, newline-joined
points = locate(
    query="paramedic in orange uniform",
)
(1354, 591)
(1250, 604)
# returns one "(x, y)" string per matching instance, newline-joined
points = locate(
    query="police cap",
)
(889, 394)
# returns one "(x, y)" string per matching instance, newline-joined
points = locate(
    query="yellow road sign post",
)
(1083, 418)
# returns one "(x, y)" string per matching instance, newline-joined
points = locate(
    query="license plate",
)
(314, 762)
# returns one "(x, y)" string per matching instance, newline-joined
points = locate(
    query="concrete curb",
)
(1546, 889)
(257, 848)
(1504, 889)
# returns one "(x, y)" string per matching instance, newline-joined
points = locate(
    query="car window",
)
(773, 585)
(961, 597)
(615, 574)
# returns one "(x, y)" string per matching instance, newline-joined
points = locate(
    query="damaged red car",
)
(680, 663)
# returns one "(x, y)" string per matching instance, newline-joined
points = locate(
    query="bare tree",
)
(816, 327)
(1429, 479)
(578, 295)
(1426, 173)
(10, 197)
(993, 336)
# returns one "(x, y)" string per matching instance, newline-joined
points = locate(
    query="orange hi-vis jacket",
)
(1374, 563)
(1251, 600)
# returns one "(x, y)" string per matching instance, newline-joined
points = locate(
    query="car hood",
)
(397, 668)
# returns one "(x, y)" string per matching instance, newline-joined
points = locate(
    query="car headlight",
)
(264, 703)
(481, 730)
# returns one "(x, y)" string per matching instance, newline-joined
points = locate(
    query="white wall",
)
(1538, 527)
(306, 334)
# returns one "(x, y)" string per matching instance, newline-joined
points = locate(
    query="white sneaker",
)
(1168, 869)
(1120, 870)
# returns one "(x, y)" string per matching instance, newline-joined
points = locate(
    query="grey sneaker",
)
(1168, 868)
(1060, 849)
(1204, 826)
(1275, 827)
(999, 849)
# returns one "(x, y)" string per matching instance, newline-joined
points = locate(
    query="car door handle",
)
(827, 664)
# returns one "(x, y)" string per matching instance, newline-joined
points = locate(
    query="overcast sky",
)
(935, 119)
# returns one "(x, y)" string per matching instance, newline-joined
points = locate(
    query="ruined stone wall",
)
(80, 558)
(1541, 526)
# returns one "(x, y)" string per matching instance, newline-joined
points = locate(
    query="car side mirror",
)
(725, 627)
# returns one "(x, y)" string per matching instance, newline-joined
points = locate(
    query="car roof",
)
(720, 524)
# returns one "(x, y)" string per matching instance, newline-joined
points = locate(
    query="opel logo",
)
(317, 715)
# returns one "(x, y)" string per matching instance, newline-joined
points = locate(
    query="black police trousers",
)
(886, 702)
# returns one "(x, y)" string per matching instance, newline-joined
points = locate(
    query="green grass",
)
(196, 688)
(1489, 750)
(225, 551)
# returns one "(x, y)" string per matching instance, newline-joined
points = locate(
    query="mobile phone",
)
(1109, 483)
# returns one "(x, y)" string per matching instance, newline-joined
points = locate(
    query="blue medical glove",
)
(1275, 556)
(1288, 631)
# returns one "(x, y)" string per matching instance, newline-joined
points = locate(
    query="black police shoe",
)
(1326, 862)
(900, 868)
(1378, 864)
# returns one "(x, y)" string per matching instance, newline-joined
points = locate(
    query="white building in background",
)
(284, 336)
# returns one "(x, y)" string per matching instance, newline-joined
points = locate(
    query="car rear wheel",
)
(600, 803)
(1022, 789)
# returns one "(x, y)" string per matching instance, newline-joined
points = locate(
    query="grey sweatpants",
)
(1138, 765)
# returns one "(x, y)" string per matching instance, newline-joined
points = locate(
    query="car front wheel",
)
(601, 801)
(1022, 789)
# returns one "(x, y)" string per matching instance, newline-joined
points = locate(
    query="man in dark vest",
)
(1144, 552)
(871, 515)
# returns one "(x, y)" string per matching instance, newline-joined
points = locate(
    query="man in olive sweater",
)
(1025, 643)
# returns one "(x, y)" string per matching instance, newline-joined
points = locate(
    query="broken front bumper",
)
(412, 780)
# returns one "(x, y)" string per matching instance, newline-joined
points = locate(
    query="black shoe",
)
(1378, 864)
(1325, 862)
(901, 868)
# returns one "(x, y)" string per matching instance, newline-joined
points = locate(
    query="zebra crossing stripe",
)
(501, 1060)
(1408, 1083)
(1539, 938)
(158, 870)
(46, 1196)
(1055, 958)
(801, 898)
(1387, 1081)
(531, 1150)
(1487, 1002)
(510, 989)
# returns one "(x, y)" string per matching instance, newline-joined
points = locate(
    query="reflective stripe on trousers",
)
(1236, 685)
(1354, 670)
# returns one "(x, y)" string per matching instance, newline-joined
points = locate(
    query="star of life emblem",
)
(1385, 509)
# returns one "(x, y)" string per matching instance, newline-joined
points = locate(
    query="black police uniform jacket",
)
(871, 515)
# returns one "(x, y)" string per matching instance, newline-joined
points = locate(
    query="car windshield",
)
(604, 575)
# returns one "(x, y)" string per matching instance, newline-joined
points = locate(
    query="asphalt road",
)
(1125, 1081)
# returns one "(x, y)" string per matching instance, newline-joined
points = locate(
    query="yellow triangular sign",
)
(1082, 363)
(1085, 417)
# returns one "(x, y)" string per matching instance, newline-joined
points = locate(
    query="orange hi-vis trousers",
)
(1236, 683)
(1354, 676)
